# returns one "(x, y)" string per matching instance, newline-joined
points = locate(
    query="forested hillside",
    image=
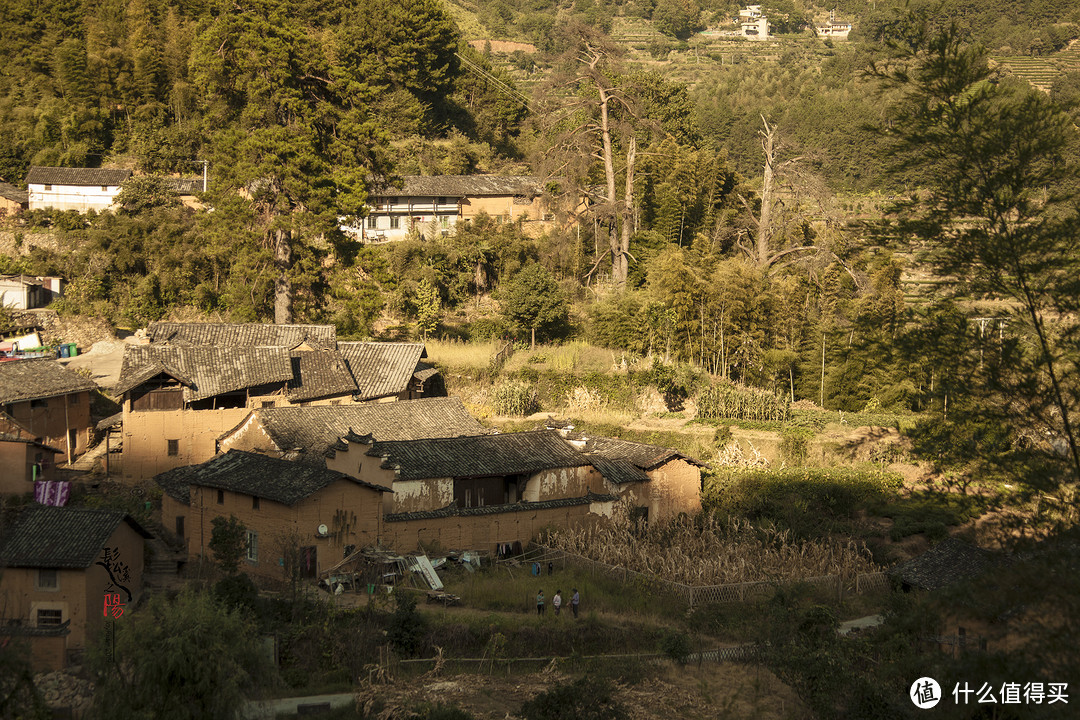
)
(719, 205)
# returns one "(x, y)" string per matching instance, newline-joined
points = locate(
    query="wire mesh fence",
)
(694, 595)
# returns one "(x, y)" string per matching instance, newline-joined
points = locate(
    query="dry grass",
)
(453, 354)
(705, 551)
(572, 358)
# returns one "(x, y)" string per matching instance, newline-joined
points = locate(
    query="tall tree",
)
(1001, 217)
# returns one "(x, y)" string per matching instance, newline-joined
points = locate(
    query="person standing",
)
(574, 600)
(540, 603)
(556, 602)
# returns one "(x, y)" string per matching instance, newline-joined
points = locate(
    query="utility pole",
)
(205, 168)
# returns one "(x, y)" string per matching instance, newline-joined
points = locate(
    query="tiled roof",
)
(617, 470)
(478, 456)
(14, 194)
(76, 176)
(950, 561)
(176, 483)
(205, 371)
(183, 185)
(281, 481)
(455, 511)
(61, 537)
(316, 431)
(381, 369)
(8, 437)
(319, 374)
(242, 335)
(37, 379)
(465, 186)
(644, 456)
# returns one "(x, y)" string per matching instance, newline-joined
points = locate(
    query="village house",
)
(195, 382)
(12, 199)
(64, 570)
(80, 189)
(49, 401)
(315, 435)
(476, 492)
(25, 459)
(834, 28)
(23, 292)
(290, 509)
(657, 482)
(753, 25)
(435, 205)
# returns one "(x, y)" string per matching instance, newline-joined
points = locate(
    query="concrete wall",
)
(351, 512)
(52, 419)
(72, 197)
(80, 594)
(672, 488)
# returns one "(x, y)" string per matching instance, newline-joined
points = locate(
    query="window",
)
(180, 526)
(253, 547)
(48, 188)
(50, 618)
(267, 403)
(395, 222)
(444, 222)
(47, 580)
(442, 201)
(39, 403)
(174, 447)
(254, 503)
(220, 497)
(104, 188)
(73, 399)
(372, 222)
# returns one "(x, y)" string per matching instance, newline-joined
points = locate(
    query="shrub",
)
(586, 698)
(795, 445)
(516, 399)
(407, 626)
(676, 645)
(236, 591)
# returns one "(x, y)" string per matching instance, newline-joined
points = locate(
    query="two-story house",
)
(49, 401)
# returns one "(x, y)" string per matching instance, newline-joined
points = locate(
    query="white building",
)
(80, 189)
(22, 292)
(435, 205)
(753, 25)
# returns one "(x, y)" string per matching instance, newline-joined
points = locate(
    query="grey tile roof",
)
(242, 334)
(456, 186)
(176, 483)
(319, 374)
(61, 537)
(455, 511)
(478, 456)
(644, 456)
(37, 379)
(281, 481)
(8, 437)
(14, 194)
(381, 369)
(184, 185)
(315, 432)
(76, 176)
(950, 561)
(616, 469)
(205, 371)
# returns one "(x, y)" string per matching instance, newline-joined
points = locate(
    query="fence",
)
(574, 663)
(499, 359)
(694, 595)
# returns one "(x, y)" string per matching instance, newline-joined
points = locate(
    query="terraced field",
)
(1041, 72)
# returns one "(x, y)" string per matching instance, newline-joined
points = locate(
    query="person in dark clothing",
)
(574, 602)
(540, 603)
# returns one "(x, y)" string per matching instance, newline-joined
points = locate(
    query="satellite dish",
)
(323, 530)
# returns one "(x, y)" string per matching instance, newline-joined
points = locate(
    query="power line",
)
(499, 84)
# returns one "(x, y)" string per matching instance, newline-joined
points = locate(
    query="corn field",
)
(515, 398)
(707, 551)
(739, 402)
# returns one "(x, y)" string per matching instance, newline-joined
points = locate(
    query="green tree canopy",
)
(532, 301)
(185, 659)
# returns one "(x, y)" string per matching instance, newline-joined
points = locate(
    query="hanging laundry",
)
(52, 492)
